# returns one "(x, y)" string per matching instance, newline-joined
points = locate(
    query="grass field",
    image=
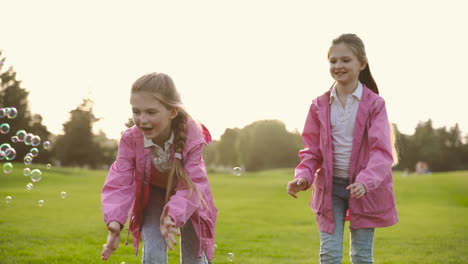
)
(258, 222)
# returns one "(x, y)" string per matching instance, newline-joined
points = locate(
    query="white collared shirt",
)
(342, 128)
(161, 157)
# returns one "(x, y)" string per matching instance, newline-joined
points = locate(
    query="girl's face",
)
(344, 65)
(151, 116)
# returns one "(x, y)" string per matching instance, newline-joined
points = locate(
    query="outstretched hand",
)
(296, 186)
(113, 240)
(168, 229)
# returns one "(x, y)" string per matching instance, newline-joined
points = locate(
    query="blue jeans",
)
(155, 249)
(331, 245)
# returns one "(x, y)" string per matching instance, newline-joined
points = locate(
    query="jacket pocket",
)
(378, 200)
(317, 198)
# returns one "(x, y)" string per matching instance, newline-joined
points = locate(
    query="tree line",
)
(264, 144)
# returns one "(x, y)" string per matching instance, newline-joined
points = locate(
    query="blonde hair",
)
(393, 128)
(162, 88)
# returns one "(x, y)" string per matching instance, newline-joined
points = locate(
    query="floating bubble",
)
(3, 112)
(7, 168)
(230, 257)
(63, 195)
(4, 147)
(34, 152)
(29, 186)
(40, 203)
(4, 128)
(8, 199)
(12, 113)
(14, 139)
(46, 144)
(2, 155)
(123, 262)
(28, 138)
(36, 141)
(21, 134)
(10, 154)
(28, 160)
(27, 172)
(237, 171)
(48, 166)
(36, 175)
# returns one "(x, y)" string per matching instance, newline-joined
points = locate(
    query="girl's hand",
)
(357, 190)
(113, 240)
(296, 186)
(167, 227)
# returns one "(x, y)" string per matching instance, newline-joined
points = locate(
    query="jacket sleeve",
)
(119, 188)
(311, 156)
(184, 203)
(380, 161)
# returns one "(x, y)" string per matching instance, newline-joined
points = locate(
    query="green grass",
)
(258, 221)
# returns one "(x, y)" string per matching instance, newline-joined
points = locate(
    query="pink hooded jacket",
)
(126, 189)
(370, 164)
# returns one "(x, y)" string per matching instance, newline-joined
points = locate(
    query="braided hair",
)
(162, 88)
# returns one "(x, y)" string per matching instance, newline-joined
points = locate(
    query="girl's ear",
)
(174, 113)
(363, 65)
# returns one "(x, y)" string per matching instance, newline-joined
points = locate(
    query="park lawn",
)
(257, 221)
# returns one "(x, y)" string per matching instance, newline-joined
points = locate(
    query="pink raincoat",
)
(370, 164)
(127, 186)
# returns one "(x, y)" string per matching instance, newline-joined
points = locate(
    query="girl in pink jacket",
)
(159, 179)
(348, 156)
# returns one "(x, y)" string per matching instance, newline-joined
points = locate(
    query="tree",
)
(13, 95)
(77, 146)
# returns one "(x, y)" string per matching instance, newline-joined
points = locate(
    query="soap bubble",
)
(8, 199)
(63, 195)
(36, 175)
(7, 168)
(237, 171)
(40, 203)
(28, 138)
(10, 154)
(48, 166)
(21, 134)
(230, 257)
(46, 144)
(27, 172)
(29, 186)
(28, 160)
(2, 155)
(36, 141)
(34, 152)
(14, 139)
(4, 147)
(12, 113)
(3, 112)
(4, 128)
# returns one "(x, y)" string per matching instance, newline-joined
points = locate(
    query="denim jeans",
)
(331, 245)
(155, 249)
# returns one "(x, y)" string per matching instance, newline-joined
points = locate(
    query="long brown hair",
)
(357, 46)
(365, 76)
(162, 88)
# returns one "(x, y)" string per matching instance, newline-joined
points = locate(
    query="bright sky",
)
(235, 62)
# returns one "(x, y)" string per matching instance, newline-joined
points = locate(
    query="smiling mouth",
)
(146, 129)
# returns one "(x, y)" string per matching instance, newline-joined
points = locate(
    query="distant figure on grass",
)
(159, 177)
(421, 167)
(348, 156)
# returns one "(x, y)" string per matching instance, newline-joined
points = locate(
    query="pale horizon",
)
(234, 62)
